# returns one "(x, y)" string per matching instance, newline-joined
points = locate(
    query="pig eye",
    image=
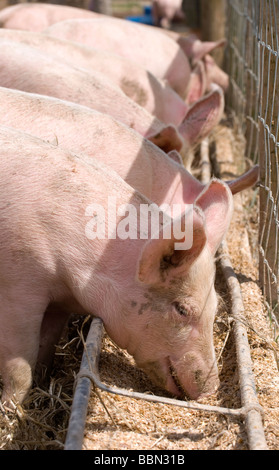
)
(181, 310)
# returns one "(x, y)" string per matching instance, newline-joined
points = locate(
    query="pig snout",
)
(194, 375)
(190, 375)
(189, 367)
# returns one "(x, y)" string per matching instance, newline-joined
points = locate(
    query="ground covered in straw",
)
(115, 422)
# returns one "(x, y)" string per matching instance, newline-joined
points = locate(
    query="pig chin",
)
(161, 373)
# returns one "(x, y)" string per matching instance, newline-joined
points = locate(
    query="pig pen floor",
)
(119, 423)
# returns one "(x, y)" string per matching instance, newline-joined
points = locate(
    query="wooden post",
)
(101, 6)
(213, 24)
(192, 13)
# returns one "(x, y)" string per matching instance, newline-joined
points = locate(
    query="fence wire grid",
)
(252, 63)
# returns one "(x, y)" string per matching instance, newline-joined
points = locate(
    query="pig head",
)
(156, 299)
(169, 329)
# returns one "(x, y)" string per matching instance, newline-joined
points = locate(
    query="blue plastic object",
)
(146, 18)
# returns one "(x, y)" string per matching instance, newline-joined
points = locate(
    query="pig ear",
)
(175, 156)
(216, 202)
(197, 84)
(204, 48)
(203, 116)
(248, 179)
(162, 259)
(196, 49)
(167, 139)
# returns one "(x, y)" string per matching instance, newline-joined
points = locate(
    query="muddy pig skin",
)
(28, 69)
(37, 17)
(82, 130)
(150, 48)
(162, 54)
(137, 83)
(155, 300)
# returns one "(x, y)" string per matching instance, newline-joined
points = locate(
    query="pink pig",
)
(165, 11)
(91, 134)
(149, 47)
(38, 16)
(140, 85)
(82, 130)
(27, 69)
(155, 300)
(197, 51)
(215, 74)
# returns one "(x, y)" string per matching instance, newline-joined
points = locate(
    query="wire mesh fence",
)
(243, 66)
(252, 62)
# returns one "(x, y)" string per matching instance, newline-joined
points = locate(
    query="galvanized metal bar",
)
(252, 409)
(90, 358)
(94, 376)
(89, 374)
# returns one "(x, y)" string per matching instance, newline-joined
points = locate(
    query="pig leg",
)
(54, 322)
(21, 319)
